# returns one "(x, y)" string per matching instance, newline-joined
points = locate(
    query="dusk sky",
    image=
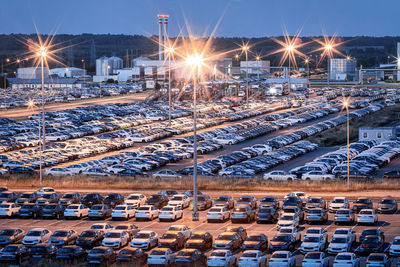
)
(241, 18)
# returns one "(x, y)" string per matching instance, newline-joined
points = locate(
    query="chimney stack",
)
(160, 37)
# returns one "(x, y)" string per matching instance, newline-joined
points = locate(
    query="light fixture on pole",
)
(170, 52)
(259, 70)
(307, 61)
(289, 49)
(245, 49)
(195, 62)
(346, 106)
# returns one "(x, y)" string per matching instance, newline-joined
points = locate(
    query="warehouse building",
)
(53, 83)
(32, 73)
(342, 69)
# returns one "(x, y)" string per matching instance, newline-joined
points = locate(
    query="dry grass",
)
(208, 184)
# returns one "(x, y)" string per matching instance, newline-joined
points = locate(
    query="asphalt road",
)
(390, 224)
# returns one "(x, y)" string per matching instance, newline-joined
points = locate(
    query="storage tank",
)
(108, 65)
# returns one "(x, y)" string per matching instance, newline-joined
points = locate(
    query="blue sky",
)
(240, 18)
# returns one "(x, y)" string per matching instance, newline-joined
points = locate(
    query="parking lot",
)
(389, 223)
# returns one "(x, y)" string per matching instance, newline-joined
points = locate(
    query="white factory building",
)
(106, 68)
(67, 72)
(255, 67)
(32, 73)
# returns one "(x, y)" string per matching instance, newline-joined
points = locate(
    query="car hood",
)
(336, 205)
(5, 237)
(251, 243)
(31, 238)
(309, 244)
(223, 242)
(195, 241)
(58, 238)
(386, 206)
(86, 239)
(278, 243)
(112, 239)
(337, 245)
(140, 240)
(167, 240)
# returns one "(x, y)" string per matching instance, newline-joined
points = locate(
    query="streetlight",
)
(31, 106)
(170, 51)
(289, 49)
(346, 106)
(245, 49)
(258, 72)
(307, 61)
(195, 62)
(328, 49)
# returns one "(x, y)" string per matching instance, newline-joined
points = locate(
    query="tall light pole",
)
(328, 49)
(245, 49)
(42, 54)
(31, 105)
(289, 49)
(195, 62)
(258, 72)
(170, 50)
(346, 105)
(307, 61)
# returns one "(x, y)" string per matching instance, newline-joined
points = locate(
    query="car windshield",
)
(340, 240)
(60, 234)
(218, 254)
(376, 258)
(167, 209)
(265, 211)
(175, 228)
(144, 208)
(268, 199)
(222, 199)
(50, 207)
(133, 197)
(396, 241)
(366, 212)
(287, 217)
(97, 251)
(169, 236)
(65, 250)
(225, 237)
(362, 201)
(10, 249)
(314, 200)
(197, 236)
(338, 200)
(155, 197)
(120, 208)
(313, 256)
(157, 253)
(27, 206)
(88, 234)
(46, 196)
(388, 201)
(281, 238)
(341, 232)
(73, 207)
(176, 198)
(253, 238)
(113, 235)
(4, 206)
(240, 210)
(249, 255)
(245, 199)
(7, 232)
(142, 235)
(343, 212)
(97, 226)
(286, 230)
(279, 256)
(184, 253)
(369, 232)
(68, 196)
(38, 249)
(371, 240)
(97, 207)
(343, 257)
(312, 239)
(25, 196)
(215, 210)
(315, 211)
(34, 233)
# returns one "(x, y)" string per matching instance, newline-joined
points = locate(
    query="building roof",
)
(46, 81)
(285, 80)
(65, 69)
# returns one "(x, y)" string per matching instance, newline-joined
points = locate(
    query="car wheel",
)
(289, 179)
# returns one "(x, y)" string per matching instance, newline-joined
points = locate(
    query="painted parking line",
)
(149, 225)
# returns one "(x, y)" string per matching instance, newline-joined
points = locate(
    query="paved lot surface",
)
(389, 223)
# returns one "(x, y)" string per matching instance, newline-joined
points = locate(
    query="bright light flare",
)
(328, 47)
(195, 60)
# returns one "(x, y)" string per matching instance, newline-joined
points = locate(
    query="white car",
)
(76, 211)
(339, 203)
(282, 259)
(166, 174)
(367, 216)
(170, 213)
(105, 227)
(43, 190)
(312, 243)
(252, 258)
(315, 259)
(136, 200)
(145, 240)
(221, 257)
(8, 209)
(286, 220)
(317, 176)
(340, 243)
(57, 171)
(161, 256)
(186, 231)
(36, 236)
(303, 196)
(123, 212)
(146, 212)
(394, 249)
(294, 231)
(346, 231)
(219, 214)
(180, 199)
(317, 231)
(346, 259)
(280, 176)
(115, 239)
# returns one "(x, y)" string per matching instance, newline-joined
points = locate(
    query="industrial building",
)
(255, 67)
(51, 83)
(378, 134)
(342, 69)
(68, 72)
(32, 73)
(106, 68)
